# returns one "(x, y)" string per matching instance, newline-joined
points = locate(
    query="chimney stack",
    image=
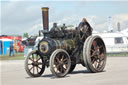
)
(110, 28)
(118, 26)
(45, 18)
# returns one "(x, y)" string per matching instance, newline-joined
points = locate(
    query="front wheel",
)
(60, 63)
(34, 64)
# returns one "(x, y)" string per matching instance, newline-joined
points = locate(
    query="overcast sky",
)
(18, 17)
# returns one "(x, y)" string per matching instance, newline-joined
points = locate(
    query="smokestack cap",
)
(44, 8)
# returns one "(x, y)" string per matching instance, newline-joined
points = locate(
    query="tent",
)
(5, 44)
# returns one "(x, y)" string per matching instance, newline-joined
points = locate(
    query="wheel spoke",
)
(93, 60)
(95, 64)
(64, 69)
(57, 67)
(31, 59)
(92, 50)
(101, 57)
(62, 57)
(100, 60)
(99, 65)
(100, 47)
(37, 69)
(55, 62)
(38, 59)
(57, 59)
(93, 53)
(65, 65)
(64, 60)
(31, 68)
(61, 69)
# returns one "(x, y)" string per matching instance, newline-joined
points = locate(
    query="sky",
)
(18, 17)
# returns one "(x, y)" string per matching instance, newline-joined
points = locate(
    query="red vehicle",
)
(17, 40)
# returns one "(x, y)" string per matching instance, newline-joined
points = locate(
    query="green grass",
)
(18, 56)
(118, 54)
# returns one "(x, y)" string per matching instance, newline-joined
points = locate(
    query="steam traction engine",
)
(60, 50)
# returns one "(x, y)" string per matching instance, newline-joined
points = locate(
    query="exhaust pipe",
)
(118, 27)
(45, 18)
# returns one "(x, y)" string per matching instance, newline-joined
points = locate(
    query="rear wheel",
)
(34, 64)
(94, 54)
(60, 63)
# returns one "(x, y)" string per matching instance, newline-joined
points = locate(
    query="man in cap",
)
(56, 31)
(84, 29)
(54, 28)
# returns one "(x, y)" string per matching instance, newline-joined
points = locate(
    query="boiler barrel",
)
(47, 46)
(65, 44)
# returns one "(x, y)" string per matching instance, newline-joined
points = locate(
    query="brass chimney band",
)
(45, 9)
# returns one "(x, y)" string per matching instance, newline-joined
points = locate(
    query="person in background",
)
(11, 49)
(14, 48)
(14, 45)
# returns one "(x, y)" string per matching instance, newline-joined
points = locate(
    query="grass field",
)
(20, 56)
(118, 54)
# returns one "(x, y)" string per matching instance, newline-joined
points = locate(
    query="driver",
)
(84, 29)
